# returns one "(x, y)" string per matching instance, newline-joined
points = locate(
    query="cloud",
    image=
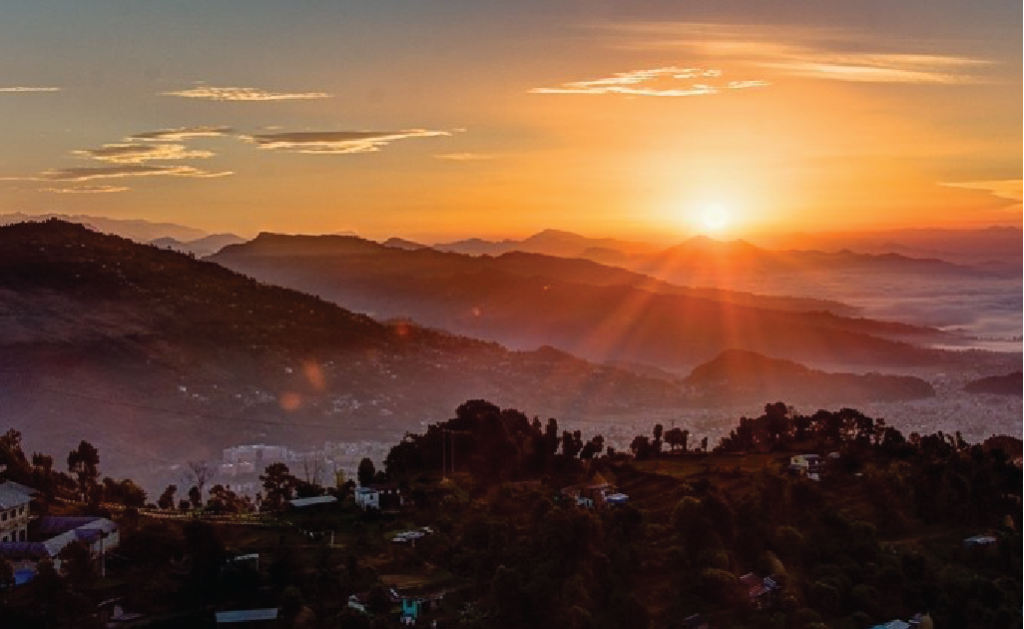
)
(877, 68)
(834, 54)
(118, 172)
(205, 92)
(98, 189)
(466, 157)
(337, 142)
(26, 88)
(141, 153)
(1012, 189)
(654, 82)
(181, 134)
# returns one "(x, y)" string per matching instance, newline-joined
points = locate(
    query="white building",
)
(14, 502)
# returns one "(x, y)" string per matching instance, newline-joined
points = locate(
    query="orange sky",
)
(479, 121)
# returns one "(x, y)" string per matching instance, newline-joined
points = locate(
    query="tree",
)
(166, 499)
(84, 462)
(366, 472)
(677, 438)
(659, 430)
(76, 564)
(198, 473)
(195, 497)
(641, 446)
(278, 485)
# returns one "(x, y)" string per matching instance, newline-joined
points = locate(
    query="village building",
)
(27, 540)
(383, 497)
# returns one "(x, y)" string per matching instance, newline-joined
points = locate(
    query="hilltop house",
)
(384, 497)
(26, 540)
(14, 508)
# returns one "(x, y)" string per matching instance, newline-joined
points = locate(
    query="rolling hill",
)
(158, 357)
(598, 312)
(737, 376)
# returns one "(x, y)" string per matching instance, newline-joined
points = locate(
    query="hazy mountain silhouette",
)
(1010, 384)
(552, 242)
(598, 312)
(155, 355)
(136, 229)
(200, 247)
(739, 376)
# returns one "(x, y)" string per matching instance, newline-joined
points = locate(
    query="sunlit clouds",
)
(667, 81)
(23, 89)
(337, 142)
(90, 173)
(243, 94)
(834, 54)
(95, 189)
(1012, 189)
(142, 153)
(181, 134)
(879, 68)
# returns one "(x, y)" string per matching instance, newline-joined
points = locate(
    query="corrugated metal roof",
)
(14, 495)
(246, 615)
(315, 500)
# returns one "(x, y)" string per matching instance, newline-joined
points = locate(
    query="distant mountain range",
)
(200, 247)
(551, 242)
(156, 357)
(594, 311)
(737, 376)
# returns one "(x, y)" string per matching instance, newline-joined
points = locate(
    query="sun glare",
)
(714, 218)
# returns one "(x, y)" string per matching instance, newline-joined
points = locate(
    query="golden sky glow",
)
(478, 120)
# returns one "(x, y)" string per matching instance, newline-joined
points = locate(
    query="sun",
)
(714, 217)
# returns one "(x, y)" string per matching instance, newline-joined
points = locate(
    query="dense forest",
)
(727, 535)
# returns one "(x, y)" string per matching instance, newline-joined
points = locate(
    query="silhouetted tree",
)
(84, 462)
(366, 472)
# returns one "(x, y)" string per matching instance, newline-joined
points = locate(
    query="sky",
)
(444, 119)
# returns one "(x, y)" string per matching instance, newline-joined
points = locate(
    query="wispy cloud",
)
(97, 189)
(181, 134)
(668, 81)
(337, 142)
(1012, 189)
(467, 157)
(119, 172)
(834, 54)
(878, 67)
(206, 92)
(28, 88)
(142, 153)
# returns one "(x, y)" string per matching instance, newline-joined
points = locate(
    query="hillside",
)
(746, 376)
(598, 312)
(166, 357)
(1010, 384)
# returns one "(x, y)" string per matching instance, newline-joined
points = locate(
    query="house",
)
(14, 511)
(893, 624)
(414, 606)
(383, 496)
(25, 541)
(809, 465)
(760, 592)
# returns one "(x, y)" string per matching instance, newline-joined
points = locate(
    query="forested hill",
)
(104, 336)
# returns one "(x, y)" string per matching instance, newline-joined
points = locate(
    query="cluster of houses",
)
(810, 465)
(598, 493)
(25, 540)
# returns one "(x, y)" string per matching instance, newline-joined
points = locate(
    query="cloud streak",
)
(91, 173)
(243, 94)
(1012, 189)
(466, 157)
(142, 153)
(22, 89)
(833, 54)
(337, 142)
(97, 189)
(181, 134)
(668, 81)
